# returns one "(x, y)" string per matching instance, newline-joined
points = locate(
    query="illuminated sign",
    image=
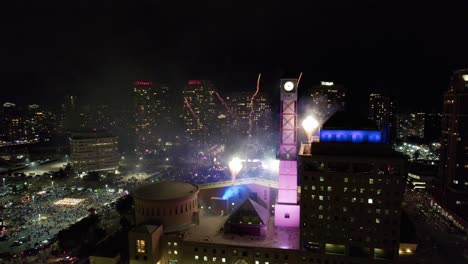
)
(194, 82)
(326, 83)
(351, 136)
(142, 83)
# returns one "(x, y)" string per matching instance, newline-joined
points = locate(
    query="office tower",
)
(432, 127)
(203, 113)
(325, 99)
(72, 118)
(411, 125)
(286, 208)
(94, 151)
(454, 145)
(352, 187)
(250, 121)
(382, 110)
(13, 123)
(152, 108)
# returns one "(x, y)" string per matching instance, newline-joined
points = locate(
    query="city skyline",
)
(93, 49)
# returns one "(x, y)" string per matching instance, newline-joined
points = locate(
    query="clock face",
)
(288, 86)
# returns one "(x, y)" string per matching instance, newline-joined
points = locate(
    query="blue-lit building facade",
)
(352, 185)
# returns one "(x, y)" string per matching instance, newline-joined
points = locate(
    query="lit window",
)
(320, 216)
(223, 260)
(175, 252)
(320, 207)
(196, 257)
(345, 189)
(329, 188)
(205, 258)
(170, 252)
(175, 244)
(345, 209)
(345, 179)
(168, 243)
(313, 187)
(369, 201)
(458, 202)
(214, 259)
(140, 246)
(321, 197)
(321, 178)
(455, 181)
(257, 262)
(377, 220)
(371, 181)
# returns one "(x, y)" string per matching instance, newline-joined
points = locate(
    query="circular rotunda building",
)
(170, 204)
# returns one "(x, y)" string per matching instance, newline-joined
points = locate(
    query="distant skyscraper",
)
(72, 118)
(152, 107)
(203, 115)
(382, 110)
(351, 192)
(325, 99)
(411, 125)
(14, 125)
(454, 144)
(251, 122)
(433, 127)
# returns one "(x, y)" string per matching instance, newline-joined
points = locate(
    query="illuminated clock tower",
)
(286, 209)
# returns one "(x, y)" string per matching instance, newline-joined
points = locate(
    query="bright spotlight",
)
(310, 124)
(235, 165)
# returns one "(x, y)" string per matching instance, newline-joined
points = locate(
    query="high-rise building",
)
(94, 151)
(13, 123)
(203, 114)
(454, 145)
(433, 127)
(325, 99)
(152, 116)
(411, 125)
(250, 118)
(352, 187)
(382, 110)
(72, 118)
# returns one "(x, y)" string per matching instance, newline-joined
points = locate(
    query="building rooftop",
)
(348, 121)
(210, 230)
(165, 190)
(90, 134)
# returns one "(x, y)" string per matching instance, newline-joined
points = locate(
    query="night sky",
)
(96, 48)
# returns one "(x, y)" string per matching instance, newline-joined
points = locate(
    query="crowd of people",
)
(35, 222)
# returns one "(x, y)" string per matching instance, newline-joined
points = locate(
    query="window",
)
(205, 258)
(377, 221)
(321, 178)
(175, 252)
(345, 179)
(371, 181)
(329, 188)
(321, 197)
(140, 246)
(175, 244)
(196, 257)
(223, 260)
(313, 187)
(369, 201)
(169, 243)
